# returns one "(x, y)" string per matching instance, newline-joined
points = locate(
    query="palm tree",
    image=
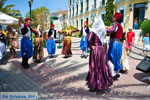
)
(64, 16)
(7, 9)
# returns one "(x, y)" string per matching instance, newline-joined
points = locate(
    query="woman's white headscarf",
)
(98, 28)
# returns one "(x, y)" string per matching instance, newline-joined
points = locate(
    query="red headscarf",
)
(52, 25)
(118, 16)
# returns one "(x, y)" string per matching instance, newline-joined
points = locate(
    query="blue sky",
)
(52, 5)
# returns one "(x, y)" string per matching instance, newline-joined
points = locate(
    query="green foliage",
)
(90, 25)
(145, 26)
(79, 34)
(39, 16)
(7, 9)
(109, 12)
(72, 27)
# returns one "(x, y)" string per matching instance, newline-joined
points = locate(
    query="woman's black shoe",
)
(92, 90)
(116, 77)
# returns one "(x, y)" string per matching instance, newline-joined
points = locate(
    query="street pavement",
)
(64, 79)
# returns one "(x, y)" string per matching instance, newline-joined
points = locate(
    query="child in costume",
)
(51, 45)
(83, 44)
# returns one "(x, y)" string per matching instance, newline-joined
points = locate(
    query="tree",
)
(109, 12)
(64, 16)
(39, 16)
(8, 9)
(145, 26)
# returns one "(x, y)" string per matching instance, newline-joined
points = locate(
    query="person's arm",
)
(74, 30)
(20, 24)
(90, 40)
(20, 21)
(61, 32)
(113, 29)
(35, 31)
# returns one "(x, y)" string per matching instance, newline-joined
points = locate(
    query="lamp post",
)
(30, 5)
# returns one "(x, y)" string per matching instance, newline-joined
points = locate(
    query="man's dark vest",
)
(50, 33)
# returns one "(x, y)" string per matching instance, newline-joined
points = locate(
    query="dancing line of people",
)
(104, 67)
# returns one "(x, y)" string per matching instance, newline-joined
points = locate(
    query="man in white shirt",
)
(26, 44)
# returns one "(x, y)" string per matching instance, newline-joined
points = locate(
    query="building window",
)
(77, 10)
(103, 16)
(70, 12)
(87, 5)
(73, 23)
(81, 22)
(73, 12)
(87, 19)
(103, 2)
(81, 7)
(76, 23)
(94, 3)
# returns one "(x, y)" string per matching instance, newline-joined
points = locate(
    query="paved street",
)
(64, 79)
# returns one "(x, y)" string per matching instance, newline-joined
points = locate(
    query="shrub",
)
(145, 26)
(90, 25)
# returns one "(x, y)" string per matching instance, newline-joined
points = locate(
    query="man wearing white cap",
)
(130, 38)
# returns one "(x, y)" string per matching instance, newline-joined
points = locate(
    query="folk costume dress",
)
(115, 46)
(38, 53)
(51, 44)
(26, 45)
(99, 76)
(67, 43)
(83, 44)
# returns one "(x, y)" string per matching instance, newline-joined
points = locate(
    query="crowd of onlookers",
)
(8, 39)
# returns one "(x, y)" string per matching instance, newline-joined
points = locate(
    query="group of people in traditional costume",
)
(104, 66)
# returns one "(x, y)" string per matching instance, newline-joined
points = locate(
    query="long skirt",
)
(114, 54)
(26, 48)
(99, 76)
(67, 46)
(38, 53)
(84, 43)
(2, 50)
(124, 60)
(51, 46)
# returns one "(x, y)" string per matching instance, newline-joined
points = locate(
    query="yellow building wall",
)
(128, 14)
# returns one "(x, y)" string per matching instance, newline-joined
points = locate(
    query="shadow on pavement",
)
(141, 75)
(46, 76)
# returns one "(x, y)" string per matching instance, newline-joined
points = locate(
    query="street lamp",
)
(30, 5)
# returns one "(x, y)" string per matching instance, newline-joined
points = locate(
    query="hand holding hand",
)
(93, 47)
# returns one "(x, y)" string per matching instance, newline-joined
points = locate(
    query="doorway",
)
(139, 12)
